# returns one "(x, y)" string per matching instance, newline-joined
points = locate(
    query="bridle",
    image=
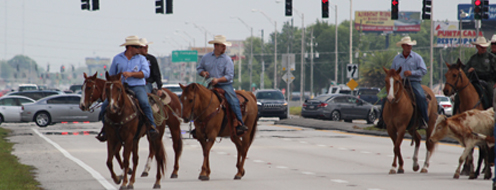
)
(94, 87)
(458, 78)
(192, 115)
(110, 94)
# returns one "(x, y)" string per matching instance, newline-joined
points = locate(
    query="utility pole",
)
(311, 62)
(302, 60)
(262, 76)
(431, 48)
(351, 32)
(275, 55)
(336, 44)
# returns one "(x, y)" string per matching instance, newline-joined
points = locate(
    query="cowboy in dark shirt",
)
(155, 75)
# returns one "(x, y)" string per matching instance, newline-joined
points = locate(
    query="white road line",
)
(321, 145)
(365, 152)
(258, 161)
(341, 148)
(282, 167)
(93, 172)
(308, 173)
(339, 181)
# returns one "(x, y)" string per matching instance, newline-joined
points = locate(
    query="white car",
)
(10, 107)
(446, 103)
(175, 88)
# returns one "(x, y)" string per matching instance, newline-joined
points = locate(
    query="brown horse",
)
(398, 111)
(124, 126)
(92, 91)
(458, 82)
(202, 105)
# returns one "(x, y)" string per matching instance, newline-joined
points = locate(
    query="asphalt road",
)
(67, 156)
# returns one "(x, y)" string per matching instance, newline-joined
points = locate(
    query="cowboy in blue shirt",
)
(412, 67)
(220, 67)
(134, 69)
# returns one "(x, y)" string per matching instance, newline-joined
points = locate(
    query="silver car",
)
(57, 108)
(10, 108)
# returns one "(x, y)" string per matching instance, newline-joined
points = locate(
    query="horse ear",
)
(385, 70)
(399, 70)
(119, 76)
(182, 86)
(96, 74)
(85, 76)
(459, 63)
(447, 64)
(107, 76)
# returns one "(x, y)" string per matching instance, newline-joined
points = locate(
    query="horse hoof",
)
(119, 179)
(173, 176)
(130, 187)
(144, 174)
(400, 171)
(130, 171)
(416, 168)
(122, 187)
(423, 171)
(204, 178)
(392, 171)
(156, 186)
(456, 176)
(472, 176)
(237, 177)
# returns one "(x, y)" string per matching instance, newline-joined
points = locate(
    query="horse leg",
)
(428, 143)
(416, 138)
(240, 161)
(397, 150)
(149, 160)
(111, 151)
(482, 154)
(392, 134)
(128, 146)
(461, 160)
(135, 164)
(206, 146)
(177, 143)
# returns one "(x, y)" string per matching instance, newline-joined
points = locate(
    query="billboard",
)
(380, 21)
(469, 9)
(448, 35)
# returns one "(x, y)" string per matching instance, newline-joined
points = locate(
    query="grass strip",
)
(14, 175)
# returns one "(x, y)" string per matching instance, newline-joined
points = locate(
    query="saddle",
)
(416, 119)
(229, 116)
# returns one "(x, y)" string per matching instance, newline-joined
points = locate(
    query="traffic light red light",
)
(289, 8)
(325, 8)
(478, 10)
(394, 9)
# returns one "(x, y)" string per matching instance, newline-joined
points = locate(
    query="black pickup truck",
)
(368, 94)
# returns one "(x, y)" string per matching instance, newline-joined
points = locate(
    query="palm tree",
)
(372, 74)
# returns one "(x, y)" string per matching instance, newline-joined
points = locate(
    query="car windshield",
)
(442, 99)
(272, 95)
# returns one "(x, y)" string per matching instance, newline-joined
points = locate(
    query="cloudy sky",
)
(58, 32)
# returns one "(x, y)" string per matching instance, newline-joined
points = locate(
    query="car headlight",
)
(259, 103)
(285, 104)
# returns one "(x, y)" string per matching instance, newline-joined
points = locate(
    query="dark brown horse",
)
(398, 110)
(92, 91)
(124, 125)
(458, 82)
(202, 105)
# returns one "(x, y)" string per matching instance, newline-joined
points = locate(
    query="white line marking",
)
(365, 152)
(339, 181)
(341, 148)
(321, 145)
(308, 173)
(90, 170)
(282, 167)
(221, 152)
(258, 161)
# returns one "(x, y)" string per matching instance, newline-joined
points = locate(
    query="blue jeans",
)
(148, 87)
(232, 100)
(140, 92)
(419, 99)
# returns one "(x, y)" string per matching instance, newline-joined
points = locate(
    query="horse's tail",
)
(160, 155)
(254, 128)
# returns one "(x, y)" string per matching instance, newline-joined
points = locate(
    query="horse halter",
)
(92, 109)
(458, 78)
(396, 92)
(191, 116)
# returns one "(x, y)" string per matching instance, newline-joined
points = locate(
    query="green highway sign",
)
(184, 56)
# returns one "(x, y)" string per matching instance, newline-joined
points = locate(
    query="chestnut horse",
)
(124, 125)
(92, 91)
(458, 82)
(398, 110)
(203, 107)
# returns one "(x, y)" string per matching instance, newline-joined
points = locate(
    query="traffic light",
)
(485, 9)
(426, 9)
(62, 69)
(394, 9)
(168, 6)
(159, 6)
(96, 5)
(289, 7)
(85, 5)
(478, 9)
(325, 8)
(105, 67)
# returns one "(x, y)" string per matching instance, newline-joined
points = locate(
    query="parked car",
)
(23, 87)
(75, 88)
(36, 94)
(446, 103)
(341, 89)
(175, 88)
(369, 94)
(10, 108)
(340, 107)
(57, 108)
(271, 103)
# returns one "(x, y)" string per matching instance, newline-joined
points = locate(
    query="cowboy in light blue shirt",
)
(134, 69)
(412, 67)
(220, 67)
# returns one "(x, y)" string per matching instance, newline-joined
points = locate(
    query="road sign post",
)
(288, 64)
(352, 71)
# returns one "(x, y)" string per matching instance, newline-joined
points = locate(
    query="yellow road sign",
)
(352, 84)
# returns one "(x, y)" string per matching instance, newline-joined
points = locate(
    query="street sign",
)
(288, 62)
(352, 71)
(352, 84)
(288, 77)
(184, 56)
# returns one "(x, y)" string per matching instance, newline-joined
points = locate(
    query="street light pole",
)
(251, 48)
(336, 44)
(351, 32)
(275, 44)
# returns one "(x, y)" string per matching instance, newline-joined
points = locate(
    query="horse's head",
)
(190, 100)
(91, 91)
(115, 93)
(455, 78)
(393, 83)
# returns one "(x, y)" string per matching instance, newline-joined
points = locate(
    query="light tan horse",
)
(202, 105)
(398, 110)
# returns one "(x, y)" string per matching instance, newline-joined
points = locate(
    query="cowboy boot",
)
(102, 137)
(241, 129)
(153, 132)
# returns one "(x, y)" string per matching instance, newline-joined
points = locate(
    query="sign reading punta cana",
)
(380, 21)
(184, 56)
(448, 35)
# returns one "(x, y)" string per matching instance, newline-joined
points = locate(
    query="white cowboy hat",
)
(145, 42)
(132, 40)
(493, 39)
(406, 40)
(481, 41)
(220, 39)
